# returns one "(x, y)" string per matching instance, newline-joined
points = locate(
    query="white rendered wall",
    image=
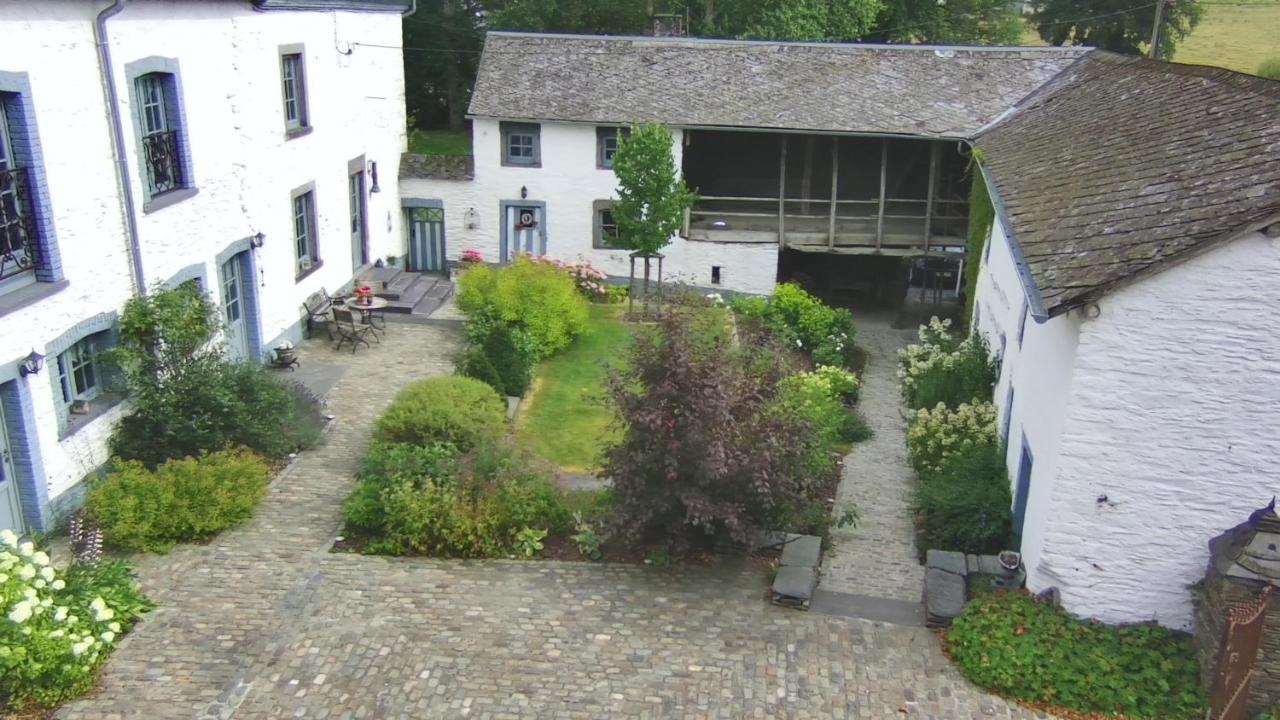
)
(243, 167)
(1039, 370)
(1174, 415)
(568, 181)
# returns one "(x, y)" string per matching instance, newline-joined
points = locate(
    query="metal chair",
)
(351, 331)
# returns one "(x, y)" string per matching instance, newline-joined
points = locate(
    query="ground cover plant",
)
(707, 452)
(183, 500)
(1020, 648)
(188, 398)
(566, 420)
(60, 626)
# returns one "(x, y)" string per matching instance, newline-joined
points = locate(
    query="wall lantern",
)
(31, 364)
(373, 177)
(257, 240)
(524, 192)
(471, 219)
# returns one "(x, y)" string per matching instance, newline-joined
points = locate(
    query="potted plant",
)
(364, 295)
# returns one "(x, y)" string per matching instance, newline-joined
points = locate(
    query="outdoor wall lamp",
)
(373, 177)
(31, 364)
(257, 240)
(524, 192)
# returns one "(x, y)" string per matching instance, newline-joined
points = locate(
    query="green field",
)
(565, 419)
(439, 142)
(1233, 35)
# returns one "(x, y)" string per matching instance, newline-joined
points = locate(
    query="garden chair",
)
(350, 331)
(317, 306)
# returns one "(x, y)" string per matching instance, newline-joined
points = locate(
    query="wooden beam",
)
(807, 178)
(884, 162)
(835, 177)
(782, 193)
(934, 152)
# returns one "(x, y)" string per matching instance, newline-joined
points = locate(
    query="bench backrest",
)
(317, 302)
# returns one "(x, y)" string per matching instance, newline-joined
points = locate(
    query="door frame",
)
(356, 166)
(1022, 486)
(504, 247)
(237, 265)
(24, 447)
(9, 473)
(250, 298)
(407, 204)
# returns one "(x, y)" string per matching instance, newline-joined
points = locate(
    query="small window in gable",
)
(520, 144)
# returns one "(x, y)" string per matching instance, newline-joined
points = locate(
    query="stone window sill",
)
(297, 132)
(28, 295)
(98, 407)
(316, 265)
(173, 197)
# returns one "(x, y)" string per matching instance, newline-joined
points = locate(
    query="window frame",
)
(25, 153)
(310, 241)
(171, 118)
(296, 55)
(80, 361)
(508, 130)
(605, 133)
(599, 209)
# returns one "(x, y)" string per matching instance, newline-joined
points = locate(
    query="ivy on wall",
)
(981, 216)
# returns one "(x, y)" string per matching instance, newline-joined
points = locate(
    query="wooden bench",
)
(319, 306)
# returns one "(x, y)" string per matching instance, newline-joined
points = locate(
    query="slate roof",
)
(437, 167)
(1123, 165)
(896, 89)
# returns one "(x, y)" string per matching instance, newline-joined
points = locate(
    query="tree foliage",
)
(956, 22)
(1114, 25)
(442, 41)
(652, 197)
(600, 17)
(706, 453)
(789, 19)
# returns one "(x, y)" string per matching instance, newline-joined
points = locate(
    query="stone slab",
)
(952, 562)
(804, 551)
(944, 596)
(865, 607)
(795, 583)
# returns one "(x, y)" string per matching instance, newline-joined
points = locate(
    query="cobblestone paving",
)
(265, 623)
(878, 556)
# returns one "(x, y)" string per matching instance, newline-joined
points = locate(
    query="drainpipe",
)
(413, 8)
(122, 162)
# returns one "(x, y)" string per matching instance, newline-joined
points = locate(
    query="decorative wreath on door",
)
(526, 220)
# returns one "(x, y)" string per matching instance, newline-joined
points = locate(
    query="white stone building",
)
(152, 142)
(1130, 288)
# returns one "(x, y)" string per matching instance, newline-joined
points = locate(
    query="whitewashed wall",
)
(1173, 417)
(569, 182)
(1039, 369)
(244, 169)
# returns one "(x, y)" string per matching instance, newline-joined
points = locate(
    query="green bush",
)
(1270, 68)
(1012, 645)
(507, 349)
(538, 298)
(457, 410)
(804, 322)
(389, 464)
(938, 435)
(185, 500)
(965, 506)
(476, 364)
(61, 625)
(942, 368)
(820, 398)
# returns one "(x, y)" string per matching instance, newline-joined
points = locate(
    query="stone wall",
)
(1213, 599)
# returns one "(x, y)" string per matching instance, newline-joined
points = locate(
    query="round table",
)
(374, 304)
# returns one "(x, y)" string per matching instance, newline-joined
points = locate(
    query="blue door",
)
(524, 230)
(10, 508)
(1023, 488)
(426, 239)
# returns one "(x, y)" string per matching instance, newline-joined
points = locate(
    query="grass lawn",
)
(1237, 37)
(439, 142)
(564, 420)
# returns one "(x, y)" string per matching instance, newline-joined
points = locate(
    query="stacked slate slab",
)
(947, 578)
(797, 571)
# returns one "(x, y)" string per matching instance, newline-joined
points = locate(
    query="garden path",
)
(264, 622)
(877, 558)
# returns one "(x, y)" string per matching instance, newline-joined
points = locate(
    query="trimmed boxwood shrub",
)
(186, 500)
(1020, 648)
(459, 410)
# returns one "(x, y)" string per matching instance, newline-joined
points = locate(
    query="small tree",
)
(652, 197)
(707, 453)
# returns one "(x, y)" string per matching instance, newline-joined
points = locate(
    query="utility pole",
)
(1154, 50)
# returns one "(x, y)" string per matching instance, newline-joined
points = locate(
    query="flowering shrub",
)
(803, 321)
(58, 626)
(535, 296)
(944, 369)
(471, 256)
(937, 436)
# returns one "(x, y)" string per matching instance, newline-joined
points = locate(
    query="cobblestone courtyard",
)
(264, 622)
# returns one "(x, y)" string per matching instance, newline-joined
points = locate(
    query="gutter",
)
(117, 135)
(1035, 304)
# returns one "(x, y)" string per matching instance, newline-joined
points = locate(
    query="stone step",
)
(411, 294)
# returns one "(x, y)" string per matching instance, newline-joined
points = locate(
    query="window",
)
(1022, 322)
(17, 251)
(306, 247)
(607, 145)
(157, 121)
(294, 86)
(715, 274)
(78, 372)
(1008, 412)
(520, 144)
(606, 231)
